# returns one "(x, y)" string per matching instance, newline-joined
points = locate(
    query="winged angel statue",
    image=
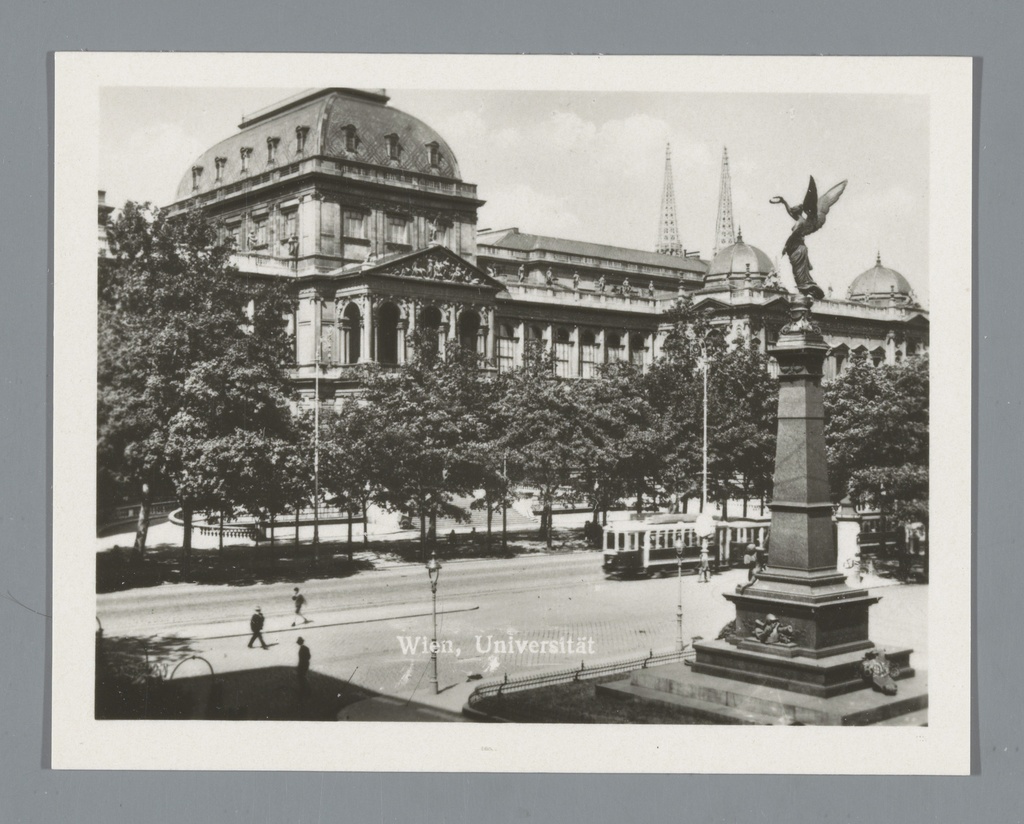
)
(809, 216)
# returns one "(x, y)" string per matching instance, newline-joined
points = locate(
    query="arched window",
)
(563, 353)
(637, 349)
(878, 356)
(613, 347)
(506, 347)
(352, 323)
(429, 322)
(387, 333)
(469, 328)
(588, 354)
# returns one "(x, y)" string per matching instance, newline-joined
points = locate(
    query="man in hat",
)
(256, 625)
(299, 600)
(303, 667)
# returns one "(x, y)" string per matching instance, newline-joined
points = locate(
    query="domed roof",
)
(734, 261)
(880, 284)
(347, 124)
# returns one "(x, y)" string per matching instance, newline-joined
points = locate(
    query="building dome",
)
(737, 260)
(343, 124)
(880, 285)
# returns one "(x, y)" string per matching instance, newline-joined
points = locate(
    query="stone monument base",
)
(728, 701)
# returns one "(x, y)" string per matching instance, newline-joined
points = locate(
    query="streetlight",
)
(704, 473)
(679, 609)
(434, 572)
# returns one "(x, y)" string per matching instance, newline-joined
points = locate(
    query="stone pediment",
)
(437, 264)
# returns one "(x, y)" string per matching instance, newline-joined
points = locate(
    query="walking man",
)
(704, 573)
(256, 625)
(303, 668)
(299, 600)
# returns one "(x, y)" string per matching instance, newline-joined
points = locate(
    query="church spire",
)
(724, 234)
(668, 230)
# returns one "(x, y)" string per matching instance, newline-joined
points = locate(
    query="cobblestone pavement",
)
(374, 628)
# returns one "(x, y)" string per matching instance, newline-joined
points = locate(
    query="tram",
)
(645, 548)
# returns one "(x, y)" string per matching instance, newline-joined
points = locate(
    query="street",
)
(374, 628)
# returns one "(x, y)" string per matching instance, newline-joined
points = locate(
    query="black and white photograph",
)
(591, 405)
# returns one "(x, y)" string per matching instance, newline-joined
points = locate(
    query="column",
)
(410, 310)
(575, 368)
(400, 340)
(490, 354)
(482, 336)
(602, 349)
(520, 351)
(366, 331)
(346, 329)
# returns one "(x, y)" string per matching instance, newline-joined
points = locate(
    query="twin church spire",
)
(668, 229)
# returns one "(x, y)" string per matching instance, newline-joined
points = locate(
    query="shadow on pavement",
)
(161, 678)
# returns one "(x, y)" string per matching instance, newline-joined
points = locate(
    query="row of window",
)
(392, 143)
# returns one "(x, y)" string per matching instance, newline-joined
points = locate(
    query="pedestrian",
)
(256, 625)
(299, 600)
(303, 667)
(704, 572)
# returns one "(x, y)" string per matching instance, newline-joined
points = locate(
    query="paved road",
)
(489, 612)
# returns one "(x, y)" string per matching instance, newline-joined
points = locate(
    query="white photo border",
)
(79, 741)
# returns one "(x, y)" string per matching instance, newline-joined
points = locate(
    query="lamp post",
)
(434, 572)
(704, 472)
(679, 610)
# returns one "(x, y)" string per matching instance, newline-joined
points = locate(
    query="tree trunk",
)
(186, 542)
(366, 505)
(686, 503)
(639, 501)
(547, 521)
(142, 525)
(490, 519)
(725, 508)
(504, 523)
(220, 535)
(273, 517)
(350, 516)
(746, 494)
(423, 535)
(296, 526)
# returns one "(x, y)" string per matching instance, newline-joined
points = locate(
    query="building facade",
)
(362, 210)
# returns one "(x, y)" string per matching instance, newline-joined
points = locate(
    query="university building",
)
(363, 211)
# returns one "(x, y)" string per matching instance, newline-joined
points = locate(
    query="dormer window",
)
(434, 154)
(351, 139)
(245, 153)
(272, 150)
(197, 174)
(219, 163)
(300, 138)
(391, 141)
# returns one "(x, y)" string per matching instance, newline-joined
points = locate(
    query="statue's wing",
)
(827, 199)
(811, 199)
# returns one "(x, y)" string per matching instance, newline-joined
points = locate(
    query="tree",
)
(353, 458)
(746, 399)
(741, 398)
(876, 434)
(427, 423)
(192, 363)
(545, 430)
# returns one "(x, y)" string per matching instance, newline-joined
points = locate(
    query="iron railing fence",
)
(519, 683)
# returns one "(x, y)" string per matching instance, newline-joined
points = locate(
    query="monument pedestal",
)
(800, 629)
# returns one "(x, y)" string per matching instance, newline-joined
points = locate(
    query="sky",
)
(590, 166)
